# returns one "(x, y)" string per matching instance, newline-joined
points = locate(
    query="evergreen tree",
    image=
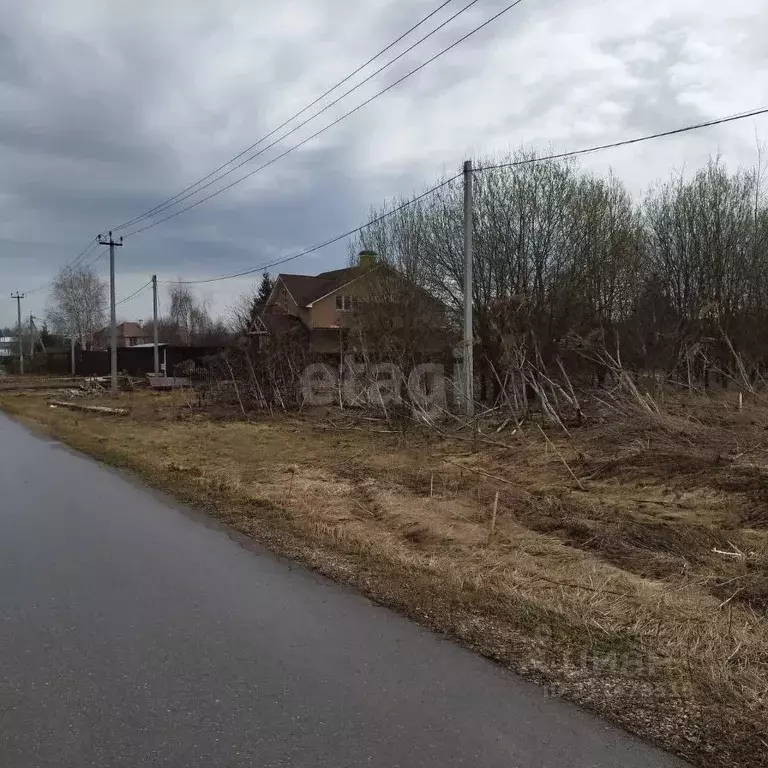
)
(46, 337)
(260, 300)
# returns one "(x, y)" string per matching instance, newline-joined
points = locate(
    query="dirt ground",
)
(625, 565)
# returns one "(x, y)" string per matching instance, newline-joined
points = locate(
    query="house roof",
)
(341, 277)
(344, 275)
(305, 289)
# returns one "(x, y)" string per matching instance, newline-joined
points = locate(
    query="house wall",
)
(324, 312)
(282, 301)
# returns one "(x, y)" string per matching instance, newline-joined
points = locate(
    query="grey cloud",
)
(654, 104)
(109, 108)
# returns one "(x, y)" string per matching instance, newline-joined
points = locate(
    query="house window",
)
(344, 303)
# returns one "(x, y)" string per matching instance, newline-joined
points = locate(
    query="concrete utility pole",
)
(155, 331)
(19, 296)
(72, 353)
(469, 393)
(113, 317)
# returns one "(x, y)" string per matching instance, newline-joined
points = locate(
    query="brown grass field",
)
(625, 566)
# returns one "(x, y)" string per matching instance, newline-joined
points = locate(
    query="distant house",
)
(9, 346)
(315, 308)
(128, 335)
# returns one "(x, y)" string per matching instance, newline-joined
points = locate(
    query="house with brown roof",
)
(320, 309)
(128, 335)
(317, 308)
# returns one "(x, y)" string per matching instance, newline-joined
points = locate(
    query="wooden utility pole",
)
(19, 296)
(468, 332)
(32, 334)
(35, 334)
(113, 316)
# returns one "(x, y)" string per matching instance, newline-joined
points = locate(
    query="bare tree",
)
(77, 304)
(248, 306)
(399, 321)
(188, 314)
(239, 312)
(573, 278)
(189, 319)
(562, 255)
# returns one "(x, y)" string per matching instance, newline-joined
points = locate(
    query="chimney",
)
(366, 259)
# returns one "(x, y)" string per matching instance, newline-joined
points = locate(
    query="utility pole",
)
(113, 317)
(19, 296)
(468, 332)
(33, 336)
(36, 334)
(155, 331)
(72, 353)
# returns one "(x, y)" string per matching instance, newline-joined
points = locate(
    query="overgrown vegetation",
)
(673, 285)
(576, 285)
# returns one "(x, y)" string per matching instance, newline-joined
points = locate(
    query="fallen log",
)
(89, 408)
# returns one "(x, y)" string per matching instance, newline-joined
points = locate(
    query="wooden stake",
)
(493, 516)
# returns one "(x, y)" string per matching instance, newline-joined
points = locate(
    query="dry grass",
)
(634, 580)
(35, 382)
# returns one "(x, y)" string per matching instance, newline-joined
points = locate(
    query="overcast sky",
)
(108, 108)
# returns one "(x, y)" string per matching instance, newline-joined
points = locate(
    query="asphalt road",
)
(133, 633)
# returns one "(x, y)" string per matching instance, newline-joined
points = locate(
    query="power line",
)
(135, 293)
(181, 198)
(309, 106)
(541, 159)
(319, 246)
(100, 255)
(181, 195)
(627, 142)
(557, 156)
(330, 125)
(83, 254)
